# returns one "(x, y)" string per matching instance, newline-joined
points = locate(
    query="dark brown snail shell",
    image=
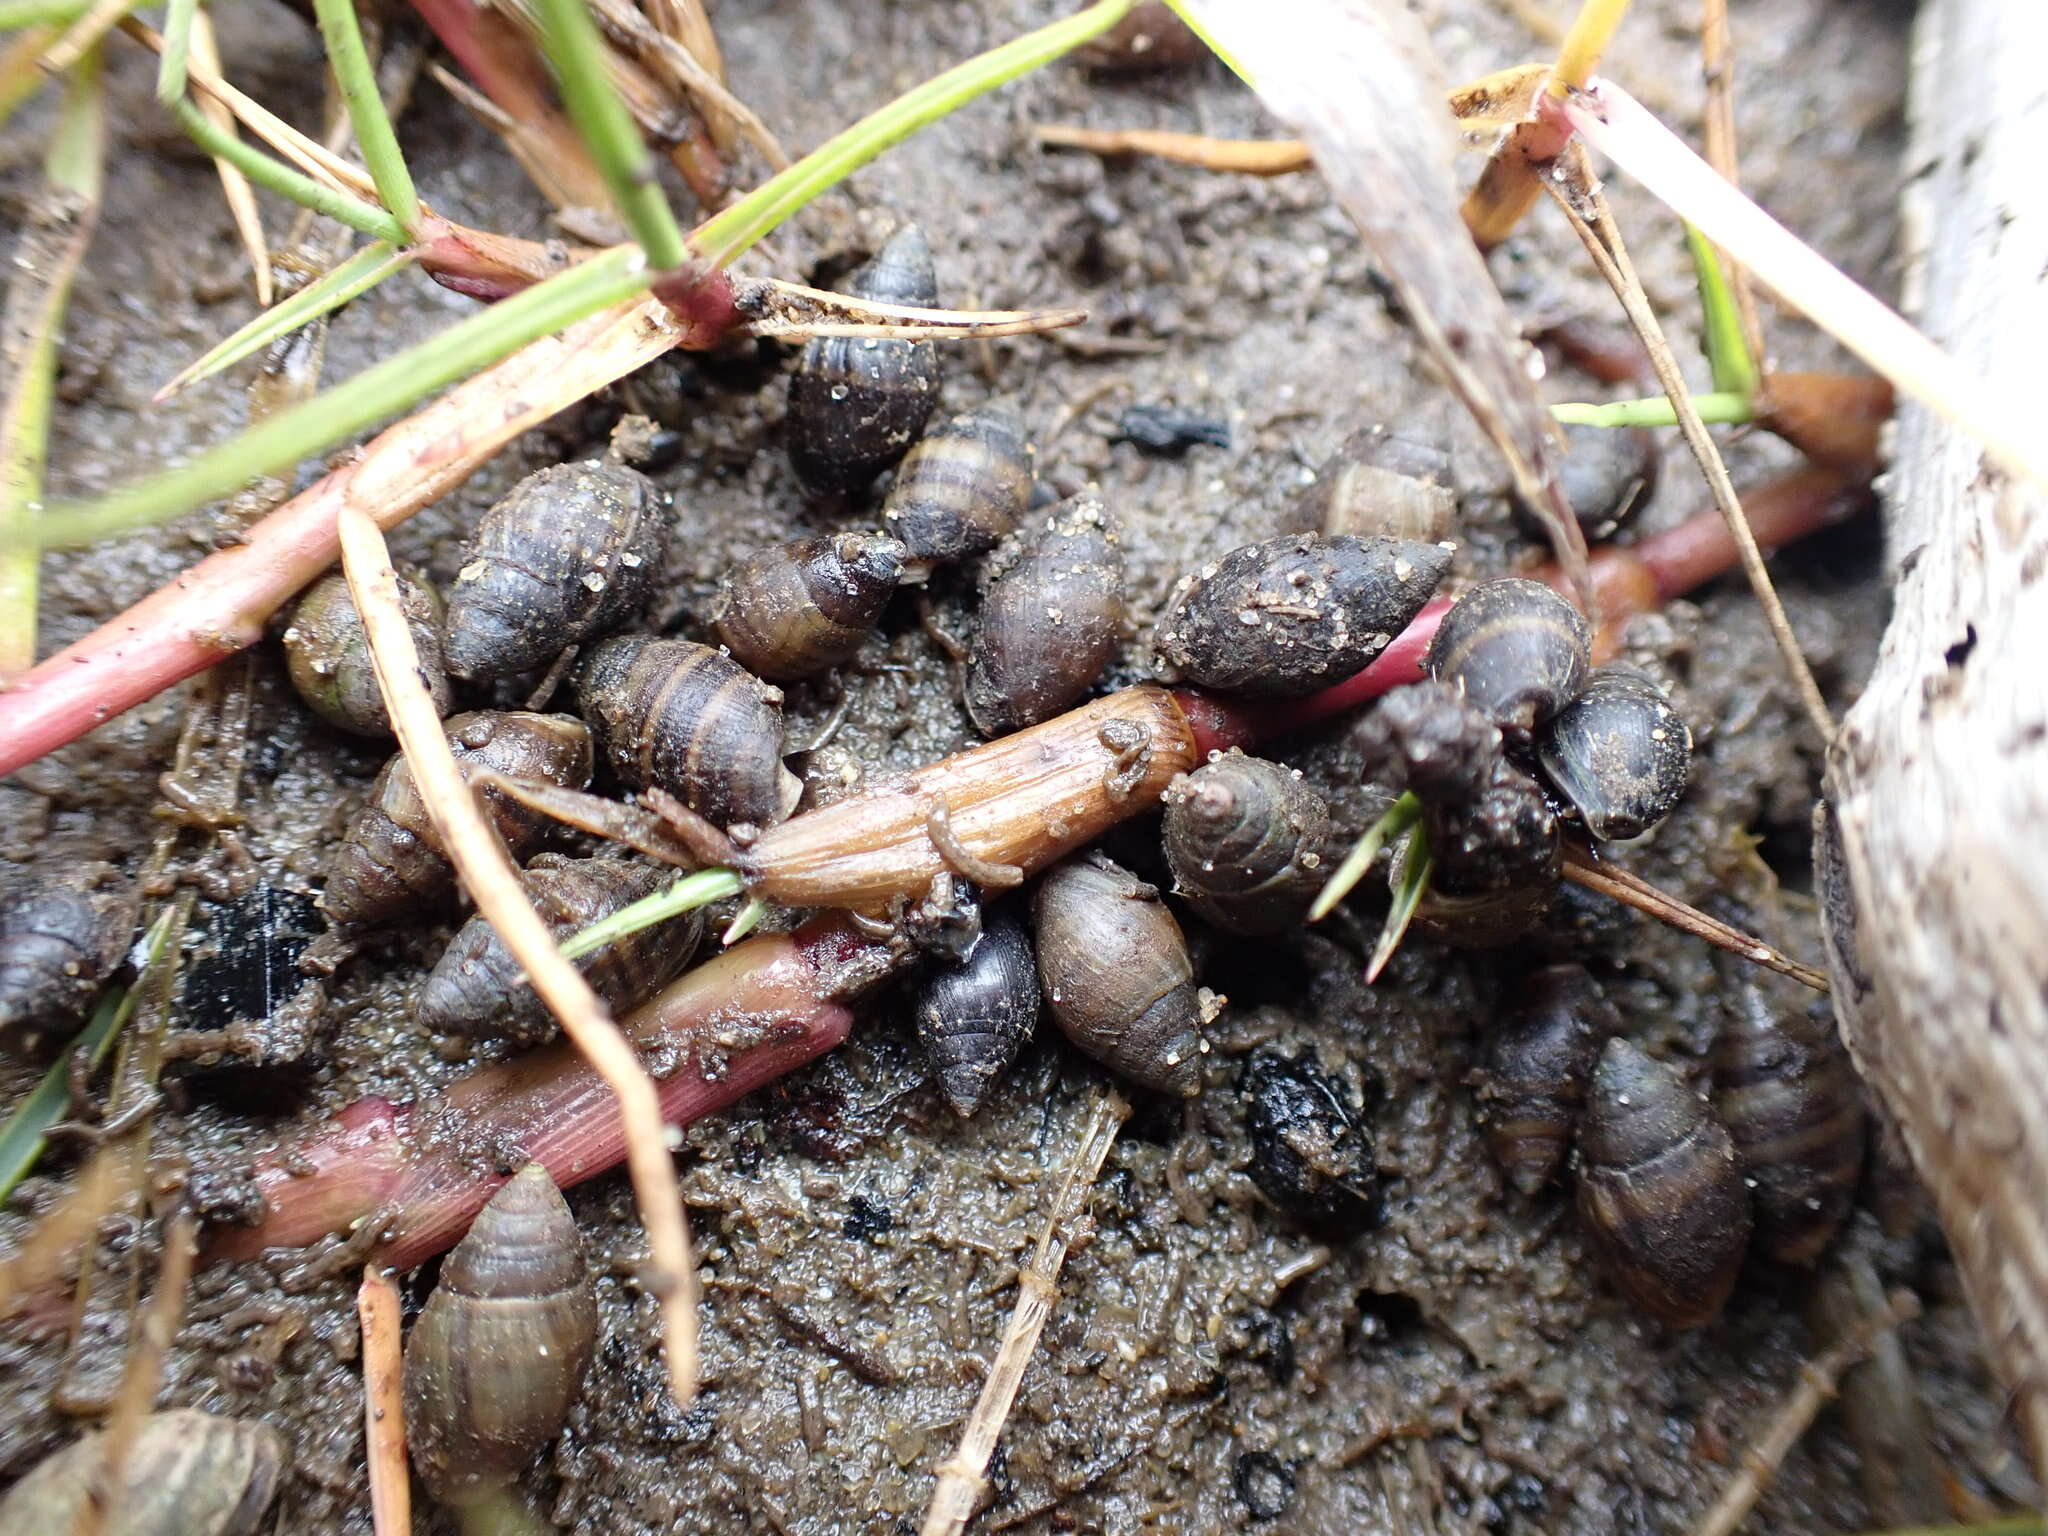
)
(1286, 617)
(477, 988)
(796, 609)
(1312, 1153)
(1150, 36)
(1618, 752)
(674, 715)
(1116, 975)
(962, 489)
(499, 1351)
(1380, 485)
(857, 403)
(62, 933)
(327, 654)
(1503, 836)
(185, 1473)
(1244, 838)
(390, 860)
(1516, 649)
(1794, 1106)
(1609, 474)
(1661, 1196)
(571, 553)
(1538, 1063)
(1052, 611)
(975, 1015)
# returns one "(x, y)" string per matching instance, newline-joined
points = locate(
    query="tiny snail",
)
(1264, 1484)
(962, 489)
(390, 861)
(1293, 614)
(1538, 1063)
(1661, 1197)
(856, 403)
(1312, 1154)
(185, 1473)
(327, 654)
(1052, 612)
(1244, 838)
(1116, 975)
(1497, 857)
(1427, 738)
(499, 1351)
(674, 715)
(477, 988)
(1516, 649)
(975, 1015)
(1794, 1107)
(793, 610)
(571, 553)
(62, 933)
(1149, 36)
(1618, 752)
(1608, 474)
(1380, 484)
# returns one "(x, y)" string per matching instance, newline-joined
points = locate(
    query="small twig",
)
(1251, 157)
(1633, 890)
(1717, 64)
(790, 310)
(383, 1404)
(85, 34)
(143, 1373)
(493, 884)
(234, 185)
(1585, 206)
(701, 77)
(961, 1480)
(1817, 1379)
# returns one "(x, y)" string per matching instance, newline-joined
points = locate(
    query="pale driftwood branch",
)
(1932, 845)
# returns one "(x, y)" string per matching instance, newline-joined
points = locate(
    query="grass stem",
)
(353, 72)
(223, 144)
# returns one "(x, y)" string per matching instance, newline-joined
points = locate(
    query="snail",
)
(185, 1473)
(327, 654)
(390, 860)
(1517, 651)
(677, 716)
(961, 490)
(1312, 1154)
(1794, 1106)
(1538, 1064)
(62, 933)
(477, 988)
(1294, 614)
(571, 553)
(1661, 1196)
(498, 1353)
(857, 403)
(1052, 611)
(1116, 975)
(1608, 473)
(1618, 752)
(1244, 838)
(1150, 36)
(973, 1016)
(793, 610)
(1380, 484)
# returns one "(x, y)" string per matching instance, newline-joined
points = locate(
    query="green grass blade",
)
(606, 127)
(350, 62)
(1734, 370)
(376, 393)
(170, 69)
(686, 895)
(1398, 818)
(1657, 411)
(282, 179)
(350, 279)
(1196, 26)
(23, 1137)
(1409, 888)
(726, 235)
(15, 14)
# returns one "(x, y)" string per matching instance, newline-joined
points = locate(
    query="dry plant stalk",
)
(1795, 1416)
(961, 1480)
(234, 185)
(1717, 63)
(383, 1404)
(1631, 889)
(1250, 157)
(143, 1373)
(1578, 193)
(493, 884)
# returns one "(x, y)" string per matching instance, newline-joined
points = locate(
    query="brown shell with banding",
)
(1538, 1064)
(1244, 838)
(185, 1473)
(1517, 650)
(1661, 1196)
(962, 489)
(1379, 484)
(327, 654)
(500, 1349)
(1116, 975)
(390, 860)
(794, 610)
(677, 716)
(62, 933)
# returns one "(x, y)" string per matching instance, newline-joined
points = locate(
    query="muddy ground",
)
(1458, 1367)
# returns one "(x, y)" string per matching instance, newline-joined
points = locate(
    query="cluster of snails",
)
(1675, 1188)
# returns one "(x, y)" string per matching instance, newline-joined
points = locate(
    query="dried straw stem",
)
(1717, 64)
(143, 1373)
(383, 1405)
(493, 884)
